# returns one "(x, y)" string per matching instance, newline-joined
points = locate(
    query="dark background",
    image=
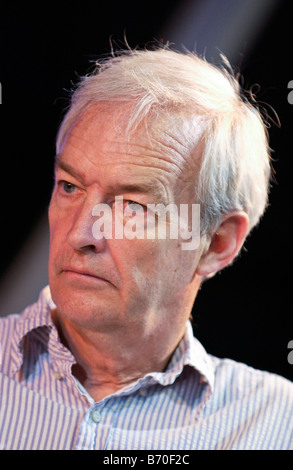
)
(245, 312)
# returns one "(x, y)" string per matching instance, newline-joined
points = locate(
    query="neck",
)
(109, 361)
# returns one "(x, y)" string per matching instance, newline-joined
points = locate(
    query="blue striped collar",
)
(38, 321)
(189, 352)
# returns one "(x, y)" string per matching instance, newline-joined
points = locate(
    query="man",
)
(106, 358)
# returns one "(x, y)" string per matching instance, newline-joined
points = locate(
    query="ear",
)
(225, 244)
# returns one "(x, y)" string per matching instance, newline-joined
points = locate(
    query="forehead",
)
(165, 147)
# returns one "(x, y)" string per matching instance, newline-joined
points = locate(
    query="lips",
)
(84, 272)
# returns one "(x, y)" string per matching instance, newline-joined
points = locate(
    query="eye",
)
(135, 206)
(132, 208)
(67, 187)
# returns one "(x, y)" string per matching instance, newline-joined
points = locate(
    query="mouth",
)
(83, 275)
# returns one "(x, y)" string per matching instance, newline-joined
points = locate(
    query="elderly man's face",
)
(106, 282)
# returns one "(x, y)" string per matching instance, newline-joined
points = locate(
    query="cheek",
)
(59, 221)
(52, 216)
(151, 262)
(136, 260)
(54, 235)
(175, 265)
(57, 232)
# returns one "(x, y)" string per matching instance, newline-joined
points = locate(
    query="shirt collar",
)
(37, 318)
(197, 357)
(189, 352)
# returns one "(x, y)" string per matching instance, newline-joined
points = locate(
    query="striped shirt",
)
(199, 402)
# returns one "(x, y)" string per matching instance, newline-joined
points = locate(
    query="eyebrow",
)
(62, 165)
(151, 187)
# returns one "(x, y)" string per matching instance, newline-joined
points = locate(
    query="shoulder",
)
(8, 344)
(14, 327)
(7, 326)
(246, 380)
(260, 399)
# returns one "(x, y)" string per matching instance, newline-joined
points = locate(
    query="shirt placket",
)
(96, 427)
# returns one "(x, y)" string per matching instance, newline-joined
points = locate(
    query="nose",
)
(80, 236)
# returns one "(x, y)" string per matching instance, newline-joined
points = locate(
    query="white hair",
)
(235, 166)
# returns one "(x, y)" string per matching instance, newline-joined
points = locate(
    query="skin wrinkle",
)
(135, 163)
(192, 136)
(185, 172)
(160, 169)
(160, 179)
(147, 156)
(151, 186)
(158, 158)
(191, 132)
(152, 152)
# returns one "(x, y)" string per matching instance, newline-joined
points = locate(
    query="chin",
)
(85, 308)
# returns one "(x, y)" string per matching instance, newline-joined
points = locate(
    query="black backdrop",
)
(245, 312)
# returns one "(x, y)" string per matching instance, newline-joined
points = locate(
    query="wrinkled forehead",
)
(126, 122)
(168, 142)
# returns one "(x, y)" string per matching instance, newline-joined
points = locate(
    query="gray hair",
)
(235, 167)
